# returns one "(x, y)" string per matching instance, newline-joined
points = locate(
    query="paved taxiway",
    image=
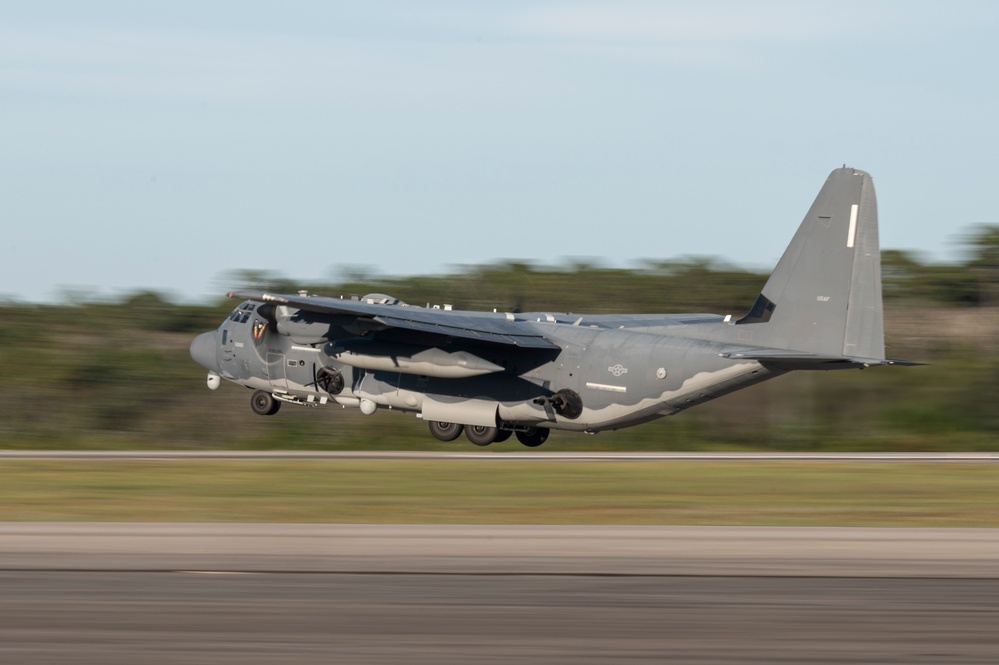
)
(502, 549)
(262, 593)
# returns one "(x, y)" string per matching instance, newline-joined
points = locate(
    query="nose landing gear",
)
(264, 404)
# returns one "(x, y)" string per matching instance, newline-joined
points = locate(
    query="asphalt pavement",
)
(266, 593)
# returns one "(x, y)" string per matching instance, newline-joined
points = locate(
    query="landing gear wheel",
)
(445, 431)
(480, 435)
(533, 437)
(503, 435)
(264, 404)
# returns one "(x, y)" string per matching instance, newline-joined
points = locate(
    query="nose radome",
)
(203, 350)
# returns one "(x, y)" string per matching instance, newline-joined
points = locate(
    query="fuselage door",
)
(276, 371)
(226, 343)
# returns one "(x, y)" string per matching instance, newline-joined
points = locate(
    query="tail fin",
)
(824, 296)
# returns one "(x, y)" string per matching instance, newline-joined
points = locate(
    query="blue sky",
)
(161, 145)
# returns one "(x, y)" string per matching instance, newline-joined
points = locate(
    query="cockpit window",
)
(242, 313)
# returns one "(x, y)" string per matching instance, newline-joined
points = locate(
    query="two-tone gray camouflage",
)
(493, 374)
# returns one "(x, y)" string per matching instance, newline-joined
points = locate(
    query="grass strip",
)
(515, 492)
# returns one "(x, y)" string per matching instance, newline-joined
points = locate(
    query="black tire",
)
(481, 435)
(445, 431)
(264, 404)
(534, 437)
(503, 435)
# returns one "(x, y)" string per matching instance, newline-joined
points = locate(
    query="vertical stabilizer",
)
(824, 296)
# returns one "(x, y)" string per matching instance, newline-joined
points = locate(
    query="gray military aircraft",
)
(493, 374)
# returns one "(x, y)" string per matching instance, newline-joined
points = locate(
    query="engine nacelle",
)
(309, 327)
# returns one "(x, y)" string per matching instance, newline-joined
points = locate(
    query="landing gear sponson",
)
(264, 404)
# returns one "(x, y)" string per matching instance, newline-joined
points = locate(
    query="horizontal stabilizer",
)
(802, 359)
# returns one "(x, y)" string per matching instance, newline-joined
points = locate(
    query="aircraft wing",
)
(477, 326)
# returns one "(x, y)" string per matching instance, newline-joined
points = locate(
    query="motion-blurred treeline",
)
(98, 374)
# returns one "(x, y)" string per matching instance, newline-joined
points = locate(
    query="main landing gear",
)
(483, 436)
(533, 437)
(445, 431)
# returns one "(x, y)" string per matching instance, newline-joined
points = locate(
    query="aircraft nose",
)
(203, 351)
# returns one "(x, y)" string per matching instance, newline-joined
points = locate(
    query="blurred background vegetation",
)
(116, 374)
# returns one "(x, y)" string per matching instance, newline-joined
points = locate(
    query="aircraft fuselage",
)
(621, 376)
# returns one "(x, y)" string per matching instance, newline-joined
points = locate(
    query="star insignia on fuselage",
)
(618, 369)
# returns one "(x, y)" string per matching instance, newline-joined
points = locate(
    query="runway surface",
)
(486, 455)
(265, 593)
